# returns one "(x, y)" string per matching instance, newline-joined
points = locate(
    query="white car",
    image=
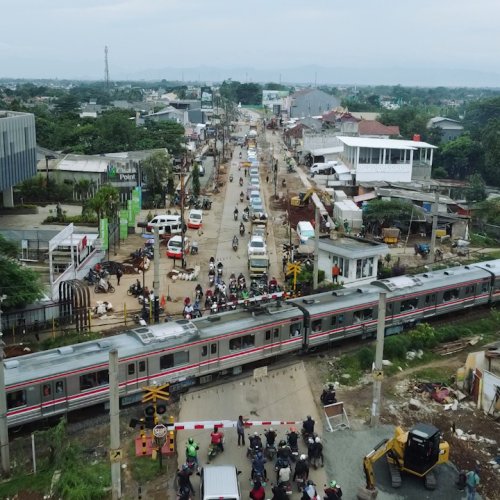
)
(254, 172)
(257, 246)
(195, 219)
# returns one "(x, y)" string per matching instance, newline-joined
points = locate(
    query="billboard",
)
(207, 98)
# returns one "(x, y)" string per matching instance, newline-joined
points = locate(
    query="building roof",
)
(443, 122)
(353, 248)
(365, 115)
(327, 151)
(372, 142)
(373, 127)
(413, 195)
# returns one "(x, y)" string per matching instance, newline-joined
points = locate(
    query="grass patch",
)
(30, 483)
(144, 469)
(436, 374)
(69, 338)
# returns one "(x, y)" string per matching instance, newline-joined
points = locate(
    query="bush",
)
(395, 347)
(422, 336)
(366, 356)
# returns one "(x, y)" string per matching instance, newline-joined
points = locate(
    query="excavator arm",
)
(378, 452)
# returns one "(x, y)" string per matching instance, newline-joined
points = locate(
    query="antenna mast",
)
(106, 67)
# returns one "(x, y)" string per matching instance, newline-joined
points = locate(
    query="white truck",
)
(258, 265)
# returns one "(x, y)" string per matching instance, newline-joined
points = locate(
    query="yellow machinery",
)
(303, 198)
(416, 452)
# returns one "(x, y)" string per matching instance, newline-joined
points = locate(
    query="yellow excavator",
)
(415, 452)
(303, 198)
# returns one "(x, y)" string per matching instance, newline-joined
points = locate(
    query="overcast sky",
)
(66, 38)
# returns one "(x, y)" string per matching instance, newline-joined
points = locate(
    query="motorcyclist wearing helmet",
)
(192, 450)
(301, 468)
(318, 450)
(279, 492)
(283, 452)
(284, 473)
(255, 441)
(308, 425)
(258, 467)
(293, 438)
(333, 492)
(183, 479)
(217, 438)
(270, 437)
(309, 491)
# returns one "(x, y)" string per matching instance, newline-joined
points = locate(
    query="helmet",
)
(255, 433)
(282, 442)
(190, 440)
(310, 483)
(333, 484)
(317, 440)
(185, 467)
(310, 440)
(308, 417)
(302, 457)
(271, 430)
(259, 455)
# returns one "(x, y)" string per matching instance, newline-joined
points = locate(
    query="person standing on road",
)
(240, 429)
(472, 483)
(335, 273)
(267, 179)
(119, 274)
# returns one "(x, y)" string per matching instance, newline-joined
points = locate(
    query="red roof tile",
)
(373, 127)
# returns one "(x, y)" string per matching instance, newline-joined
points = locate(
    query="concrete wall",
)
(320, 140)
(312, 103)
(490, 384)
(380, 172)
(326, 261)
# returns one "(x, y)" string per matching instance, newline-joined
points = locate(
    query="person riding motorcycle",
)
(309, 492)
(183, 479)
(255, 441)
(192, 450)
(284, 473)
(217, 439)
(235, 213)
(283, 453)
(328, 396)
(293, 438)
(308, 426)
(270, 437)
(333, 492)
(279, 492)
(257, 492)
(318, 450)
(301, 468)
(241, 181)
(258, 466)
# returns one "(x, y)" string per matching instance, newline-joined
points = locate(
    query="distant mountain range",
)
(428, 77)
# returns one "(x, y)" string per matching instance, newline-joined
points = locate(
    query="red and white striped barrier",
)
(210, 424)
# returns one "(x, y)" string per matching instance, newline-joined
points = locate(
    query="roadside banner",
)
(136, 200)
(104, 233)
(123, 224)
(131, 215)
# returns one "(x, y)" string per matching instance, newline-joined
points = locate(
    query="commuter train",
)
(184, 353)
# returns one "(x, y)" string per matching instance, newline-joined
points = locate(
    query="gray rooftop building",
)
(17, 151)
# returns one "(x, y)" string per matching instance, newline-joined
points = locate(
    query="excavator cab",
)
(422, 450)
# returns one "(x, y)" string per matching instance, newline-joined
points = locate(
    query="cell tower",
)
(106, 67)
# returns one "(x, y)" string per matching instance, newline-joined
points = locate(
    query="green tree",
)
(196, 180)
(249, 93)
(156, 171)
(461, 157)
(491, 145)
(105, 202)
(20, 284)
(382, 213)
(67, 104)
(477, 189)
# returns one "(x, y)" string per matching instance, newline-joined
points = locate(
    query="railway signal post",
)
(294, 268)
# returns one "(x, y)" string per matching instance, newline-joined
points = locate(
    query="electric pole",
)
(435, 210)
(106, 67)
(156, 278)
(316, 247)
(378, 373)
(4, 430)
(115, 453)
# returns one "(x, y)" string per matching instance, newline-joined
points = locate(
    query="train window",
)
(268, 334)
(47, 390)
(213, 348)
(90, 380)
(389, 308)
(295, 330)
(363, 315)
(486, 286)
(316, 325)
(142, 366)
(429, 299)
(244, 342)
(337, 320)
(175, 359)
(450, 295)
(16, 399)
(131, 368)
(276, 333)
(409, 305)
(59, 387)
(204, 350)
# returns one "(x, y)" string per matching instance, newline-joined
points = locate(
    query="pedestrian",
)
(336, 272)
(267, 179)
(472, 483)
(245, 170)
(240, 429)
(284, 260)
(119, 274)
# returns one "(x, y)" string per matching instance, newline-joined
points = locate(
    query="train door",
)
(272, 341)
(429, 306)
(53, 396)
(135, 374)
(209, 357)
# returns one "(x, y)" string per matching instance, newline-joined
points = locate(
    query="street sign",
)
(160, 431)
(156, 392)
(378, 374)
(116, 455)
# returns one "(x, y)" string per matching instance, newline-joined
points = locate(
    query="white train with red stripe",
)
(184, 353)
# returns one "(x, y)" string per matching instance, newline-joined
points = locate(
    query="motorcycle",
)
(235, 243)
(198, 292)
(300, 481)
(231, 178)
(220, 269)
(184, 493)
(242, 197)
(104, 287)
(135, 289)
(213, 451)
(241, 181)
(211, 278)
(235, 214)
(242, 229)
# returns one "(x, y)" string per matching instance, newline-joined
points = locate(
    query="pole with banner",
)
(104, 233)
(130, 214)
(123, 224)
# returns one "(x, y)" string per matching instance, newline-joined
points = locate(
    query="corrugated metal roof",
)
(371, 142)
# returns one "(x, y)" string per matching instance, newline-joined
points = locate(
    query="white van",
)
(219, 482)
(305, 230)
(323, 168)
(166, 223)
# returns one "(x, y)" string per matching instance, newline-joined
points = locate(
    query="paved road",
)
(282, 395)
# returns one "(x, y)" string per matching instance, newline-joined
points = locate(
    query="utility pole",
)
(4, 430)
(435, 209)
(115, 453)
(106, 67)
(156, 278)
(183, 260)
(316, 247)
(378, 373)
